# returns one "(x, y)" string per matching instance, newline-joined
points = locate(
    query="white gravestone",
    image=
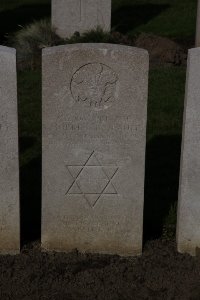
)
(188, 225)
(9, 170)
(70, 16)
(94, 135)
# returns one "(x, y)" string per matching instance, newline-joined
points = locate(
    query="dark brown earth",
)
(160, 273)
(163, 50)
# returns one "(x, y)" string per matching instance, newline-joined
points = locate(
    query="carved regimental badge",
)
(95, 85)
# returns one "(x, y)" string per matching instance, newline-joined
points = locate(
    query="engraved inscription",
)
(92, 180)
(95, 85)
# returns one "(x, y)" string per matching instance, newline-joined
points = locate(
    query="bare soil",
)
(160, 273)
(163, 50)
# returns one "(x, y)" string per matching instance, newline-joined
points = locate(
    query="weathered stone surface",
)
(70, 16)
(197, 43)
(9, 174)
(94, 134)
(188, 226)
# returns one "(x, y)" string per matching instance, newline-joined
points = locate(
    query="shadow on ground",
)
(30, 203)
(161, 183)
(126, 18)
(21, 16)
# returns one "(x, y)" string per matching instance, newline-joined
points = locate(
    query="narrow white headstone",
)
(188, 226)
(70, 16)
(94, 135)
(9, 170)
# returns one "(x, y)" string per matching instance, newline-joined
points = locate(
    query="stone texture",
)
(70, 16)
(197, 43)
(188, 226)
(9, 175)
(94, 134)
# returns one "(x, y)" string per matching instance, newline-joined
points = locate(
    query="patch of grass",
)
(29, 106)
(171, 18)
(165, 104)
(30, 40)
(92, 36)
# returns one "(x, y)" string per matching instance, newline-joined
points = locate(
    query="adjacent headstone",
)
(197, 43)
(9, 170)
(94, 134)
(70, 16)
(188, 226)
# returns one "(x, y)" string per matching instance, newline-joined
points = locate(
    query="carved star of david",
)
(92, 180)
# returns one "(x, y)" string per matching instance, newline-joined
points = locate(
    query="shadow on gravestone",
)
(21, 16)
(161, 182)
(126, 18)
(30, 203)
